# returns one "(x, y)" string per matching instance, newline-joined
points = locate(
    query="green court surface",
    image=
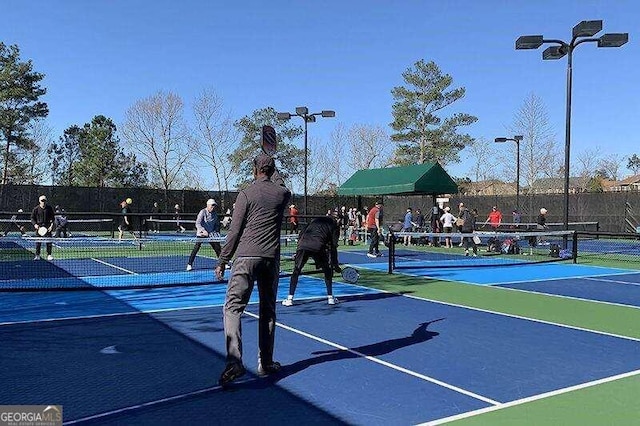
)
(613, 402)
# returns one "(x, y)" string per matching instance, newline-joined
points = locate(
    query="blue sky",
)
(100, 57)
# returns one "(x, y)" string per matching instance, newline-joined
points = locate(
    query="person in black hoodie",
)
(43, 215)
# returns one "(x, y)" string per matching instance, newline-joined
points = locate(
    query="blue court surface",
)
(154, 357)
(610, 285)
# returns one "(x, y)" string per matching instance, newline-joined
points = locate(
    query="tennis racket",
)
(350, 275)
(269, 140)
(476, 239)
(42, 231)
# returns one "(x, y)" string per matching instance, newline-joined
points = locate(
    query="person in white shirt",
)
(447, 220)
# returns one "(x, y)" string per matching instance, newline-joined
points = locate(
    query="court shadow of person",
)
(419, 335)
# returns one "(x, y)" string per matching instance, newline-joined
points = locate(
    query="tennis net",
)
(109, 263)
(431, 250)
(609, 249)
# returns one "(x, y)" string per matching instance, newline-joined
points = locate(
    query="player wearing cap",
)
(43, 216)
(254, 238)
(177, 217)
(318, 240)
(207, 225)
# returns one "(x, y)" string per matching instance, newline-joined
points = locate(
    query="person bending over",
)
(319, 240)
(207, 225)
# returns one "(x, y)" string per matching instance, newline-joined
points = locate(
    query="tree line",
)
(157, 147)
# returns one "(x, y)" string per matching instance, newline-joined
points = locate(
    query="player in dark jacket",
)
(319, 240)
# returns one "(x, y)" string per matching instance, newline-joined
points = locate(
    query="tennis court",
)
(398, 349)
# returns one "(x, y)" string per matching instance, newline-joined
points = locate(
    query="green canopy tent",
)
(424, 179)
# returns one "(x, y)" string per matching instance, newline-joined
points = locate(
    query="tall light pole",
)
(517, 140)
(303, 112)
(582, 33)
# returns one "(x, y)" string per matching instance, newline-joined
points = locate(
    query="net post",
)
(574, 249)
(392, 250)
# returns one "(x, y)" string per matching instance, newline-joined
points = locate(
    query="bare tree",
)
(321, 168)
(484, 153)
(337, 146)
(586, 166)
(155, 128)
(215, 137)
(611, 165)
(539, 153)
(370, 147)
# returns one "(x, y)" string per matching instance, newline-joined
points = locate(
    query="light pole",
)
(303, 112)
(582, 33)
(517, 140)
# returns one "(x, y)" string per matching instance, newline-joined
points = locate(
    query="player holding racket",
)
(207, 225)
(254, 238)
(125, 223)
(42, 219)
(318, 240)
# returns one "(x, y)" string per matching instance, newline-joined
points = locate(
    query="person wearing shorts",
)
(319, 240)
(125, 220)
(447, 220)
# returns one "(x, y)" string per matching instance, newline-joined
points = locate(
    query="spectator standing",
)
(494, 218)
(294, 220)
(447, 220)
(374, 228)
(468, 227)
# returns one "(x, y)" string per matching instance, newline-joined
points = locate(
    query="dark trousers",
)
(321, 259)
(196, 248)
(467, 241)
(245, 272)
(374, 244)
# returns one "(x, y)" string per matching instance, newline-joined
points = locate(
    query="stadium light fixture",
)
(517, 140)
(583, 32)
(303, 112)
(529, 42)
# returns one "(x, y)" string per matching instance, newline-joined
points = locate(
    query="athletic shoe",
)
(379, 254)
(37, 257)
(371, 255)
(287, 302)
(331, 300)
(49, 257)
(475, 255)
(466, 252)
(231, 372)
(189, 267)
(265, 370)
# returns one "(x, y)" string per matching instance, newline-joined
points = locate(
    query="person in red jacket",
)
(494, 218)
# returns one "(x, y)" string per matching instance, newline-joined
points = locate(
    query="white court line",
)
(152, 403)
(530, 399)
(384, 363)
(114, 266)
(612, 281)
(562, 296)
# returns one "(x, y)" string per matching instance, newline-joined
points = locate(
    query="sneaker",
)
(49, 257)
(265, 370)
(371, 255)
(37, 257)
(287, 302)
(231, 372)
(475, 255)
(466, 252)
(189, 267)
(331, 300)
(379, 254)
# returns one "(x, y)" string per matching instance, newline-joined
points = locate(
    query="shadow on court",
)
(419, 335)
